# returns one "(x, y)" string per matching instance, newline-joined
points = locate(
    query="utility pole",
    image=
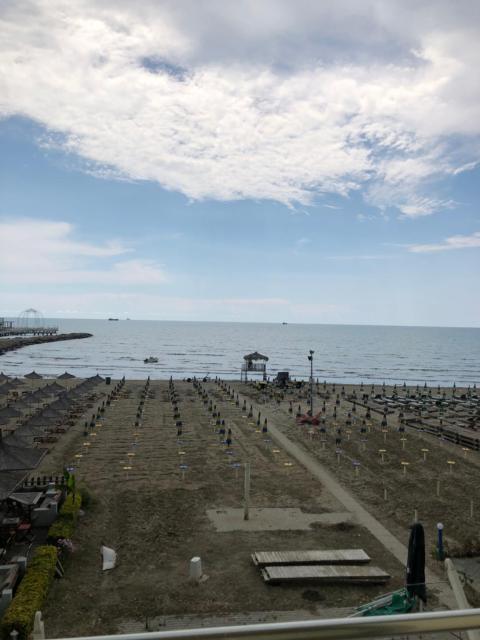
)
(310, 357)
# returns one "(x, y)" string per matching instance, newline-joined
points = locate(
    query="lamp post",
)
(310, 357)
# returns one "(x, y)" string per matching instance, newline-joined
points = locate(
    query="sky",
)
(256, 160)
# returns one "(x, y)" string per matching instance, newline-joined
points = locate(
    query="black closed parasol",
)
(415, 577)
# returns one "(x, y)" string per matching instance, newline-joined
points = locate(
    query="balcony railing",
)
(334, 629)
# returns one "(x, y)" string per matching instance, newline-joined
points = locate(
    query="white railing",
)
(335, 629)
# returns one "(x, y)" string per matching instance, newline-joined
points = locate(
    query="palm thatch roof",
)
(16, 458)
(65, 376)
(3, 377)
(54, 388)
(9, 481)
(9, 412)
(33, 375)
(255, 356)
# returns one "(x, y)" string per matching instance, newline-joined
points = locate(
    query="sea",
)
(342, 353)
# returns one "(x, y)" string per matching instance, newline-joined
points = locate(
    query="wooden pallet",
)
(326, 574)
(318, 557)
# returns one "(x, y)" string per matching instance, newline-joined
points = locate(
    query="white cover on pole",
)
(109, 558)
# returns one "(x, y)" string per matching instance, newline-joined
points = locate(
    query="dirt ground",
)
(153, 514)
(407, 491)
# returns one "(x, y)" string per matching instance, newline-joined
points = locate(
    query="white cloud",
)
(194, 95)
(46, 252)
(449, 244)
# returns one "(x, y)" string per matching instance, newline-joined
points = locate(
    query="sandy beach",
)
(160, 497)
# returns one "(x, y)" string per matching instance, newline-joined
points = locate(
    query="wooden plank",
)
(324, 556)
(326, 573)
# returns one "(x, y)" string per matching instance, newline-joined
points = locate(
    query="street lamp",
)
(310, 357)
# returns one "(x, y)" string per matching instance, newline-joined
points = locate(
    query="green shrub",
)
(87, 498)
(63, 527)
(72, 505)
(31, 594)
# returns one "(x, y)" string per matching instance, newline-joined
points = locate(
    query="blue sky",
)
(242, 161)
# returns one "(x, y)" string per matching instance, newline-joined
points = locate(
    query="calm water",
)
(344, 353)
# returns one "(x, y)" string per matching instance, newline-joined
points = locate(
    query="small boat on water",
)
(113, 319)
(150, 360)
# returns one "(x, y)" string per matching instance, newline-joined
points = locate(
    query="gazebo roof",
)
(255, 356)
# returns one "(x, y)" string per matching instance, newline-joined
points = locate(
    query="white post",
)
(38, 627)
(246, 491)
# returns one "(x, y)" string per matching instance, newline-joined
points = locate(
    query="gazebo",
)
(253, 363)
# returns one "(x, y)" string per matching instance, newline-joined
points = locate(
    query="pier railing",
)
(332, 629)
(6, 332)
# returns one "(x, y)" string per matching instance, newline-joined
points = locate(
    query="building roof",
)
(255, 356)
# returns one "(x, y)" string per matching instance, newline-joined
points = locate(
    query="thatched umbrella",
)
(33, 375)
(65, 376)
(9, 481)
(25, 434)
(21, 405)
(15, 458)
(9, 412)
(3, 377)
(39, 421)
(51, 414)
(39, 395)
(53, 388)
(95, 379)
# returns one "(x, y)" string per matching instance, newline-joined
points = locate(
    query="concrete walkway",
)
(363, 517)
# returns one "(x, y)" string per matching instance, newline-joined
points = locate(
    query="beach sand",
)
(155, 516)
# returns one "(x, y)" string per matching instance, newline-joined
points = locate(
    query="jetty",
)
(13, 343)
(6, 332)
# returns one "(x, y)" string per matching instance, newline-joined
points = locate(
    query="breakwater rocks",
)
(11, 344)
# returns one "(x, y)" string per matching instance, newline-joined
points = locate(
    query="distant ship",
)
(113, 319)
(284, 322)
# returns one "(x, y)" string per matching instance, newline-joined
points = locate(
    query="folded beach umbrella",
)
(415, 575)
(65, 376)
(33, 375)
